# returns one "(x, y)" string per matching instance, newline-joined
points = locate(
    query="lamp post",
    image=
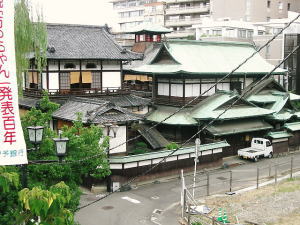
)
(35, 137)
(61, 146)
(114, 128)
(197, 146)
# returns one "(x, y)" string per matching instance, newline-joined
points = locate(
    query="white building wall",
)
(44, 79)
(120, 138)
(111, 79)
(53, 81)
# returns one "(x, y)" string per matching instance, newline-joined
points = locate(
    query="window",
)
(217, 32)
(280, 5)
(91, 66)
(242, 33)
(268, 144)
(268, 19)
(289, 6)
(249, 34)
(269, 4)
(70, 66)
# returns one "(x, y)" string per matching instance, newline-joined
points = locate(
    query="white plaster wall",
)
(111, 79)
(111, 65)
(53, 65)
(53, 81)
(163, 89)
(120, 138)
(23, 80)
(44, 79)
(248, 81)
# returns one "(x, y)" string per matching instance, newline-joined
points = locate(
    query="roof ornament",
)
(124, 51)
(51, 49)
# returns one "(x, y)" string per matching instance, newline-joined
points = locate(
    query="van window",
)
(268, 144)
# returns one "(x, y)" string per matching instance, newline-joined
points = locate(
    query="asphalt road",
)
(158, 203)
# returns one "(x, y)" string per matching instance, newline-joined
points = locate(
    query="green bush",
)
(141, 145)
(139, 151)
(196, 223)
(172, 146)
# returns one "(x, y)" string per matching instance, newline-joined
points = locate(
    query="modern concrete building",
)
(252, 10)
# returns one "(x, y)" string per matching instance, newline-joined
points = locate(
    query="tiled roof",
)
(279, 134)
(200, 58)
(94, 111)
(67, 41)
(128, 100)
(153, 136)
(27, 102)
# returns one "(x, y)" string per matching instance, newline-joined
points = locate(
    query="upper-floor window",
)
(269, 4)
(69, 66)
(91, 66)
(242, 33)
(280, 5)
(289, 6)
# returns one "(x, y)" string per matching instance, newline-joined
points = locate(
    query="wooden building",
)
(81, 60)
(98, 112)
(182, 70)
(280, 141)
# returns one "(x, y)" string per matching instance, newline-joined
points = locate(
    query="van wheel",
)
(255, 159)
(270, 155)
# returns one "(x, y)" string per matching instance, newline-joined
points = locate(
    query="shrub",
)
(172, 146)
(141, 145)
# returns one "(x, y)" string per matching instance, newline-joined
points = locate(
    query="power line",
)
(187, 141)
(194, 99)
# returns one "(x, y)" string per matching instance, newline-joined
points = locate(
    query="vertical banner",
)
(12, 143)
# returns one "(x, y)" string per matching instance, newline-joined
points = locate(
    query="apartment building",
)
(182, 14)
(253, 10)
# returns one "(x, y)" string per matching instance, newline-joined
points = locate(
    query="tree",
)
(30, 38)
(47, 207)
(9, 186)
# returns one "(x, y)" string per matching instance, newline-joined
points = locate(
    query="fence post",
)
(276, 173)
(292, 162)
(184, 203)
(257, 178)
(207, 188)
(189, 214)
(230, 182)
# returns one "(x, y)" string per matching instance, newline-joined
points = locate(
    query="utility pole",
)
(197, 146)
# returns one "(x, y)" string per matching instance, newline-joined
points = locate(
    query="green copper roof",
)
(279, 134)
(149, 29)
(283, 115)
(216, 58)
(181, 118)
(237, 126)
(292, 126)
(165, 153)
(212, 107)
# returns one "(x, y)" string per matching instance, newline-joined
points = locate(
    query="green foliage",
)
(196, 223)
(46, 206)
(9, 184)
(29, 38)
(140, 148)
(172, 146)
(8, 179)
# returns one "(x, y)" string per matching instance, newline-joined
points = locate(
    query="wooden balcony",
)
(80, 92)
(176, 101)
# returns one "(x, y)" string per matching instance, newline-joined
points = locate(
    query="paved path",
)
(159, 203)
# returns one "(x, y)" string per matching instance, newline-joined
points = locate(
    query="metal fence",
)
(230, 181)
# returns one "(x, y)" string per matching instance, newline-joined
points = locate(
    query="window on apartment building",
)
(289, 6)
(230, 32)
(269, 4)
(241, 33)
(260, 32)
(132, 3)
(268, 19)
(217, 32)
(249, 34)
(280, 5)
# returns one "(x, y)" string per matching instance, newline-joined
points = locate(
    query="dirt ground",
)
(275, 204)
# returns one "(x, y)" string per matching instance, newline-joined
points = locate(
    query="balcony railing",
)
(75, 92)
(183, 21)
(190, 9)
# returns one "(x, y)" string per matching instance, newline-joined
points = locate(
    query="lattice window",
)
(96, 80)
(64, 81)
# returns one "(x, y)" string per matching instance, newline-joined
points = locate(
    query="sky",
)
(91, 12)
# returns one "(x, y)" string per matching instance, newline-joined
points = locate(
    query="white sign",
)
(12, 143)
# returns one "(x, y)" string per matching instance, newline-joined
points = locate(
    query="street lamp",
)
(61, 146)
(35, 135)
(197, 148)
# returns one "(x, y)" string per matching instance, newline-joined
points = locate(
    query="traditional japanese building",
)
(81, 60)
(182, 70)
(98, 112)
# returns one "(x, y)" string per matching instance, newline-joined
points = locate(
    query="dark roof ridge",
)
(87, 100)
(77, 25)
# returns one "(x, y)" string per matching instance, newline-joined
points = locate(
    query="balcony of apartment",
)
(181, 34)
(130, 19)
(187, 10)
(182, 22)
(180, 1)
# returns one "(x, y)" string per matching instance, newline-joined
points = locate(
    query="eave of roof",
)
(292, 126)
(166, 153)
(279, 134)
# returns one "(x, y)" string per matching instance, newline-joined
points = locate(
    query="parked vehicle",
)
(260, 147)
